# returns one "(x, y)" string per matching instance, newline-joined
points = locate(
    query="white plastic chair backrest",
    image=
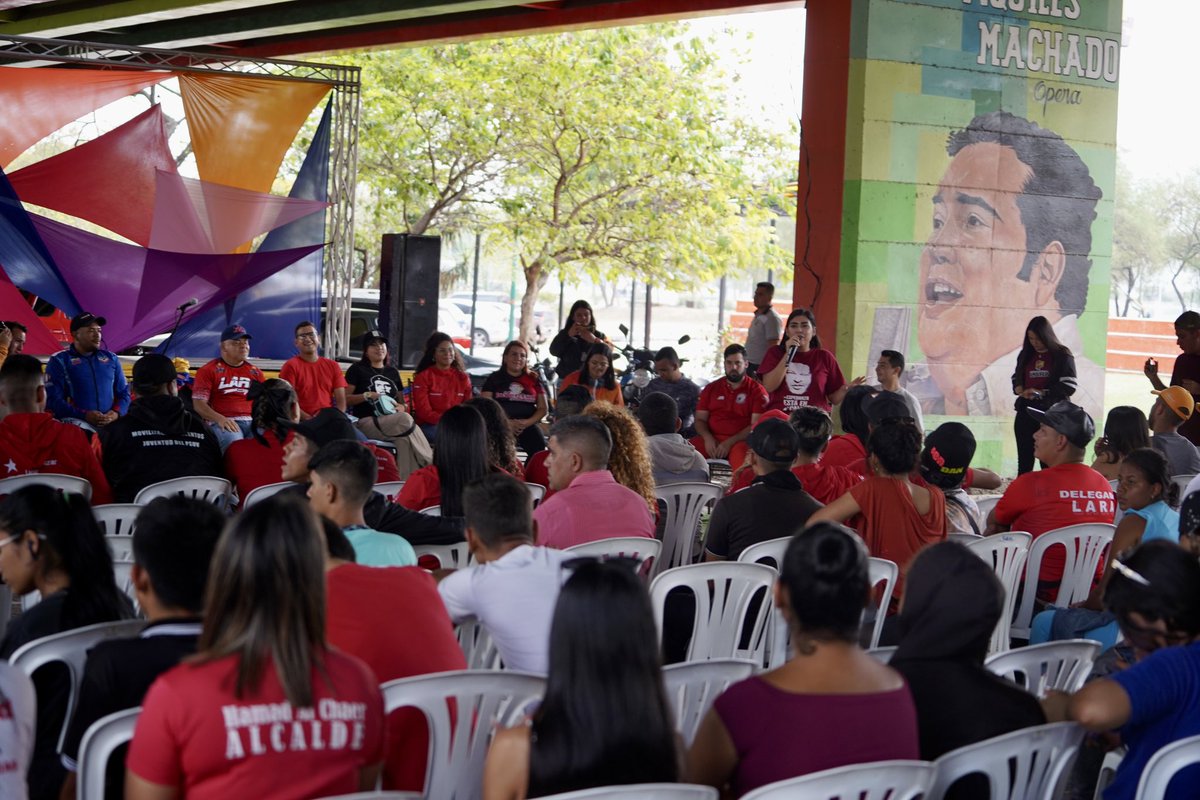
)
(200, 487)
(1005, 553)
(880, 570)
(684, 504)
(70, 648)
(778, 637)
(1085, 545)
(1062, 665)
(986, 503)
(389, 489)
(99, 741)
(460, 731)
(432, 511)
(123, 573)
(1108, 770)
(478, 646)
(883, 654)
(723, 592)
(769, 552)
(116, 519)
(1182, 482)
(640, 791)
(55, 480)
(537, 491)
(963, 538)
(878, 780)
(639, 547)
(1163, 765)
(694, 685)
(263, 492)
(449, 556)
(1026, 764)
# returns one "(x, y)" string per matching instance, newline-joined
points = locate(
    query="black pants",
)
(531, 440)
(1024, 427)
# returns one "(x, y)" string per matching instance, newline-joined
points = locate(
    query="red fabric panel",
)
(37, 102)
(38, 340)
(86, 181)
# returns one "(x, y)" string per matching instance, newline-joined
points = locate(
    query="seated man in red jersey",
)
(571, 400)
(824, 482)
(418, 641)
(588, 504)
(32, 440)
(728, 409)
(220, 392)
(1066, 492)
(318, 381)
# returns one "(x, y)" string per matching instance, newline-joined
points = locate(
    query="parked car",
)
(492, 313)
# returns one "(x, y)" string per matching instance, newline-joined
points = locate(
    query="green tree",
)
(1139, 241)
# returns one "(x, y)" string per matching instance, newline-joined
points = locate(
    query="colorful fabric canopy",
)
(25, 258)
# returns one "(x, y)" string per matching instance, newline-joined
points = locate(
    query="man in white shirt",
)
(766, 328)
(514, 584)
(888, 370)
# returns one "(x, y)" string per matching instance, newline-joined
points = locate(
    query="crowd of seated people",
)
(232, 636)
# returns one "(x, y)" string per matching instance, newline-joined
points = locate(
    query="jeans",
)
(225, 438)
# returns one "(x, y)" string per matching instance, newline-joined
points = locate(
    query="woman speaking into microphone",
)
(799, 372)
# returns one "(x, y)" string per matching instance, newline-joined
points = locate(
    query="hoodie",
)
(157, 440)
(674, 460)
(40, 443)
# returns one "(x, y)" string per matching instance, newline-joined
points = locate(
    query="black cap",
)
(947, 454)
(1189, 514)
(154, 369)
(887, 406)
(371, 337)
(774, 440)
(329, 425)
(1068, 419)
(234, 332)
(85, 319)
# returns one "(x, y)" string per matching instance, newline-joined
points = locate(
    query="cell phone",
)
(1152, 362)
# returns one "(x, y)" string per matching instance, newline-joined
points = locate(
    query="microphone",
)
(186, 304)
(791, 353)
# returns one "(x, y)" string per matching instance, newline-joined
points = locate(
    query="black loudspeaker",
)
(408, 293)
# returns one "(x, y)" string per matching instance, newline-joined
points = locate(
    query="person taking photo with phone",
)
(1045, 374)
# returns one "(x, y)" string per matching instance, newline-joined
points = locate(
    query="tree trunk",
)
(1179, 294)
(533, 275)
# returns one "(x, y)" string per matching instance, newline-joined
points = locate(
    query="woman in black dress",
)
(1045, 374)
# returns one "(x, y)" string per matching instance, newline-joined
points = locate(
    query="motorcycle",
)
(639, 370)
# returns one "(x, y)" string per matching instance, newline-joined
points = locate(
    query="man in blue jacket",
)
(85, 381)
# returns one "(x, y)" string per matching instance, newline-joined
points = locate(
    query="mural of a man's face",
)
(973, 308)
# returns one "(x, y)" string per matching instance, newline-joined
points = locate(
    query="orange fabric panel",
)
(241, 127)
(37, 102)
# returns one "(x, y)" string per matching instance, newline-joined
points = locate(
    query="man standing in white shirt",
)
(888, 370)
(766, 328)
(514, 584)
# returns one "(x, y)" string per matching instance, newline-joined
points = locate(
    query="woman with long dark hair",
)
(810, 376)
(597, 375)
(1125, 430)
(851, 445)
(376, 398)
(50, 543)
(604, 720)
(761, 730)
(502, 446)
(439, 383)
(1044, 375)
(457, 460)
(520, 394)
(573, 343)
(265, 708)
(254, 462)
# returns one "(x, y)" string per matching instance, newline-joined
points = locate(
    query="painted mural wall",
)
(981, 150)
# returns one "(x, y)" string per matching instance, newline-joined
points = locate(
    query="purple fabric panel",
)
(138, 290)
(270, 309)
(25, 257)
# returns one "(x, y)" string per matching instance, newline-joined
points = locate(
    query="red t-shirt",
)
(824, 482)
(892, 527)
(536, 472)
(1042, 501)
(731, 406)
(196, 736)
(250, 464)
(421, 490)
(1037, 371)
(224, 387)
(843, 450)
(314, 382)
(810, 378)
(416, 642)
(435, 390)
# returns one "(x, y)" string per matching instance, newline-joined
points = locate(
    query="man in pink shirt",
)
(588, 504)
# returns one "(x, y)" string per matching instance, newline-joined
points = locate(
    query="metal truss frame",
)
(344, 81)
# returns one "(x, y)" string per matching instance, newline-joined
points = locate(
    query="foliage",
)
(1139, 240)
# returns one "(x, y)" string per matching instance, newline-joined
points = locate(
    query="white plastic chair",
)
(880, 570)
(376, 796)
(102, 737)
(883, 654)
(1023, 765)
(723, 591)
(778, 637)
(263, 492)
(200, 487)
(1163, 765)
(986, 503)
(641, 791)
(769, 552)
(1006, 554)
(693, 686)
(537, 491)
(878, 780)
(1182, 482)
(70, 648)
(389, 489)
(1038, 668)
(432, 511)
(462, 708)
(1085, 545)
(684, 502)
(117, 521)
(449, 556)
(478, 646)
(1108, 770)
(963, 538)
(123, 573)
(639, 547)
(55, 480)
